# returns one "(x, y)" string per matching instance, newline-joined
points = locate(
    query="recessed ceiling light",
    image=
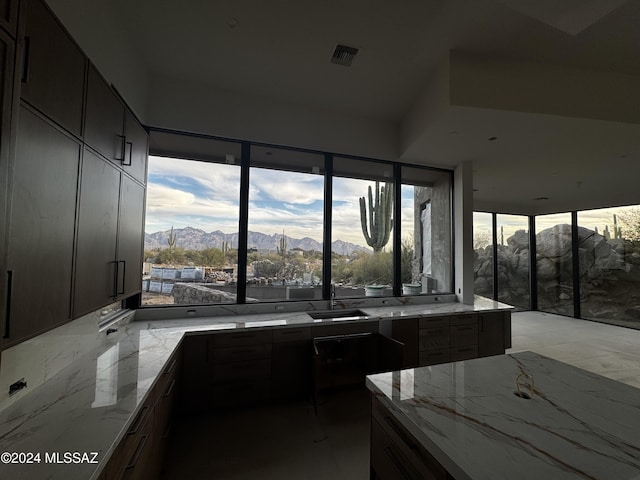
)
(541, 198)
(491, 139)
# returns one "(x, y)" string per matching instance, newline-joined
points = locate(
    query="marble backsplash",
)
(40, 358)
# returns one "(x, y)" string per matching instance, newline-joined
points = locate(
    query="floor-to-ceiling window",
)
(191, 224)
(237, 222)
(513, 259)
(609, 253)
(554, 263)
(284, 244)
(483, 254)
(362, 228)
(426, 231)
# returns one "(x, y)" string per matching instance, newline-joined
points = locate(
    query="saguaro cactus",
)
(171, 240)
(282, 248)
(379, 218)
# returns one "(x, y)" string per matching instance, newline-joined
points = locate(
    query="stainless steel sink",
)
(350, 314)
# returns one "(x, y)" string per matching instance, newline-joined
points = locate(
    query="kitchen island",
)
(463, 421)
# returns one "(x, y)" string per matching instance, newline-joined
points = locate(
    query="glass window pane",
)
(191, 231)
(362, 238)
(513, 260)
(483, 256)
(426, 231)
(609, 248)
(284, 258)
(554, 264)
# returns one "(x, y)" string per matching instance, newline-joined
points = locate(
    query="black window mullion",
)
(397, 233)
(494, 228)
(575, 258)
(533, 267)
(326, 244)
(241, 289)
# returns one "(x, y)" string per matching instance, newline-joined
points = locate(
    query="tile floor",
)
(288, 442)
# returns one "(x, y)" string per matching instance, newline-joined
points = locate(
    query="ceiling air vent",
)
(344, 55)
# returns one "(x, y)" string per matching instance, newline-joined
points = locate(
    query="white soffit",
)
(570, 16)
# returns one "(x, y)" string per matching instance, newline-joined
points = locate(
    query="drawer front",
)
(458, 354)
(463, 335)
(464, 319)
(241, 353)
(433, 338)
(434, 357)
(242, 338)
(239, 372)
(343, 329)
(283, 335)
(387, 461)
(434, 322)
(387, 432)
(131, 446)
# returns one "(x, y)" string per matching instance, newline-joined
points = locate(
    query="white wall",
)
(199, 108)
(463, 225)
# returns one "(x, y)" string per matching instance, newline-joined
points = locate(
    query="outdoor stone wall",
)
(189, 293)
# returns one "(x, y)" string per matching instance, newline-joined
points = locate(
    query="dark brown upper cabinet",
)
(52, 69)
(136, 148)
(41, 228)
(9, 16)
(112, 130)
(104, 122)
(110, 235)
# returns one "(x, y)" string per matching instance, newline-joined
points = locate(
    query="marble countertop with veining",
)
(578, 425)
(89, 405)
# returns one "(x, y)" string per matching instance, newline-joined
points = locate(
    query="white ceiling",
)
(281, 49)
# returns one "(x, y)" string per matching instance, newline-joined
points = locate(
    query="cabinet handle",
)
(129, 146)
(138, 422)
(244, 352)
(168, 392)
(7, 319)
(243, 366)
(400, 433)
(123, 141)
(115, 279)
(397, 463)
(171, 366)
(136, 456)
(124, 275)
(26, 60)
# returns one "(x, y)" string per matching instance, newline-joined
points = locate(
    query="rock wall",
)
(609, 273)
(189, 293)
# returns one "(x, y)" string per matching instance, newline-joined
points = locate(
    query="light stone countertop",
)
(578, 425)
(89, 405)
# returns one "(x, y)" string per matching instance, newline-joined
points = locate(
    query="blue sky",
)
(184, 193)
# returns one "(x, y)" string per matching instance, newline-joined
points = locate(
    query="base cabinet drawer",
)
(395, 454)
(434, 357)
(458, 354)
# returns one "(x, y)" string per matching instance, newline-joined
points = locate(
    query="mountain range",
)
(191, 238)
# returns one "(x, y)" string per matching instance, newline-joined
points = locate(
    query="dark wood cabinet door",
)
(40, 259)
(130, 238)
(491, 337)
(96, 264)
(7, 48)
(136, 148)
(9, 15)
(53, 70)
(104, 122)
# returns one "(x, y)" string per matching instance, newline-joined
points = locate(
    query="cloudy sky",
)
(205, 196)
